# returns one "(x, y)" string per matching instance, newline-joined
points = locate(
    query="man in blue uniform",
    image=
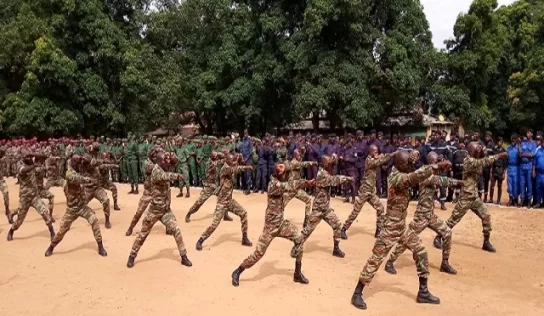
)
(513, 170)
(526, 152)
(538, 172)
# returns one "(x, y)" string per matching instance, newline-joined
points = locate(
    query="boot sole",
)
(421, 301)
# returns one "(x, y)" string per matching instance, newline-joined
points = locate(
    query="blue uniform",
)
(513, 172)
(538, 162)
(247, 152)
(526, 171)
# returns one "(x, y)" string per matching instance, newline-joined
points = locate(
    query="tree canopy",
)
(112, 66)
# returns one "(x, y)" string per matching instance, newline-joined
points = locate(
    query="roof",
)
(404, 120)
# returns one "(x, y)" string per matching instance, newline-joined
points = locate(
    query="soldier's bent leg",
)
(304, 197)
(169, 221)
(218, 215)
(142, 206)
(149, 220)
(458, 212)
(239, 211)
(360, 200)
(69, 217)
(382, 246)
(411, 240)
(264, 241)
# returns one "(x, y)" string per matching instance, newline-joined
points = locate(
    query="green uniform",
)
(118, 156)
(183, 165)
(192, 162)
(201, 166)
(79, 151)
(142, 153)
(206, 153)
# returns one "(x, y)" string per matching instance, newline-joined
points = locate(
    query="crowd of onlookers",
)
(523, 170)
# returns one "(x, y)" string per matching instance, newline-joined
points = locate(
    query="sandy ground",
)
(77, 281)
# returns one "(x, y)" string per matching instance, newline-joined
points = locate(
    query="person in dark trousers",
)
(498, 170)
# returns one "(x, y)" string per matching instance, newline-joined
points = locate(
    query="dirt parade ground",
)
(77, 281)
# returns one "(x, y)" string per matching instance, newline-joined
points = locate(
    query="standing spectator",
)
(486, 175)
(497, 172)
(538, 172)
(526, 152)
(247, 153)
(361, 151)
(513, 165)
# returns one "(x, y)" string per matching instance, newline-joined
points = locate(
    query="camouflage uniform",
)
(159, 210)
(275, 225)
(105, 181)
(93, 190)
(469, 200)
(321, 209)
(4, 189)
(367, 192)
(76, 206)
(225, 202)
(425, 217)
(146, 196)
(53, 174)
(394, 227)
(42, 191)
(28, 196)
(294, 168)
(209, 183)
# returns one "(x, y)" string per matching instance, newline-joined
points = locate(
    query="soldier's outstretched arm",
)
(328, 181)
(160, 175)
(404, 180)
(441, 181)
(73, 176)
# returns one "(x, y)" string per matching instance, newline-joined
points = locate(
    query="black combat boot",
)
(51, 231)
(443, 206)
(352, 200)
(227, 217)
(298, 277)
(390, 267)
(346, 199)
(245, 240)
(343, 234)
(187, 195)
(337, 252)
(49, 250)
(236, 276)
(185, 261)
(136, 191)
(357, 297)
(130, 262)
(107, 222)
(247, 192)
(180, 194)
(487, 246)
(485, 198)
(101, 250)
(446, 267)
(510, 202)
(437, 243)
(129, 231)
(116, 206)
(423, 295)
(199, 243)
(188, 216)
(131, 189)
(10, 234)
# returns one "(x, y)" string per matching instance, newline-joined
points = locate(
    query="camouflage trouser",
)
(108, 185)
(24, 205)
(474, 204)
(205, 194)
(70, 216)
(133, 171)
(5, 193)
(328, 216)
(418, 224)
(220, 211)
(62, 167)
(285, 230)
(302, 196)
(59, 182)
(167, 218)
(115, 175)
(45, 194)
(394, 232)
(101, 196)
(373, 200)
(142, 206)
(184, 170)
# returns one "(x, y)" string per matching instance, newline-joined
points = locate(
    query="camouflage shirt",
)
(427, 190)
(368, 185)
(148, 169)
(104, 171)
(27, 181)
(224, 195)
(40, 176)
(294, 166)
(160, 185)
(93, 172)
(52, 168)
(398, 195)
(472, 170)
(212, 172)
(276, 190)
(323, 183)
(73, 189)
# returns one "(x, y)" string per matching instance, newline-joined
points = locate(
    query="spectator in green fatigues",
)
(182, 167)
(142, 155)
(132, 156)
(199, 157)
(116, 151)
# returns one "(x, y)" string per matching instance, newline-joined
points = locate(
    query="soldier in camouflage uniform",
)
(275, 225)
(425, 217)
(28, 194)
(321, 209)
(4, 186)
(147, 195)
(183, 167)
(104, 179)
(91, 169)
(76, 206)
(293, 169)
(469, 199)
(225, 202)
(367, 190)
(43, 193)
(210, 186)
(52, 167)
(159, 209)
(394, 229)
